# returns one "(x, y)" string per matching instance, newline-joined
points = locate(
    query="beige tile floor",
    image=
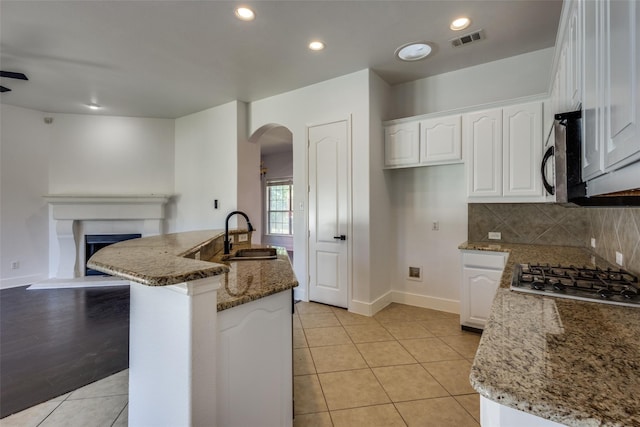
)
(406, 366)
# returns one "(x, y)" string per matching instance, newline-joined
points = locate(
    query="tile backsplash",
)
(615, 229)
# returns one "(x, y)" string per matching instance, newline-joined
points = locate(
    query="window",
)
(279, 206)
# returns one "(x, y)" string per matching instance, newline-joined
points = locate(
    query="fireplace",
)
(94, 242)
(76, 217)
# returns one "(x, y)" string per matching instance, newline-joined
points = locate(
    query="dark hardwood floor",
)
(53, 341)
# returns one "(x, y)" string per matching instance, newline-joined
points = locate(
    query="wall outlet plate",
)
(619, 259)
(243, 237)
(495, 235)
(593, 242)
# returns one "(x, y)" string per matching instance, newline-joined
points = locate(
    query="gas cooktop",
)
(611, 286)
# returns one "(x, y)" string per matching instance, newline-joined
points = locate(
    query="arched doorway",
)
(276, 179)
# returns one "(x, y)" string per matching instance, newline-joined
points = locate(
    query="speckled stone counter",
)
(169, 259)
(575, 363)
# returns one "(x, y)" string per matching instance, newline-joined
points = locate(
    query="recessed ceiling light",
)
(93, 106)
(413, 51)
(316, 45)
(245, 14)
(460, 24)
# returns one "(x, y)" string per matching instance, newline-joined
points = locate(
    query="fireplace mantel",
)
(105, 207)
(70, 211)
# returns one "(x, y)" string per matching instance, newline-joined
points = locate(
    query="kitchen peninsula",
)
(210, 340)
(547, 361)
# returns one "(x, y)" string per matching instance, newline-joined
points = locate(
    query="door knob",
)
(341, 237)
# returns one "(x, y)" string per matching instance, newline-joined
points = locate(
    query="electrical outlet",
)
(619, 259)
(243, 238)
(495, 235)
(15, 265)
(435, 226)
(593, 242)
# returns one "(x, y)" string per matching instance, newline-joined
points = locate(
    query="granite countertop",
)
(169, 259)
(573, 362)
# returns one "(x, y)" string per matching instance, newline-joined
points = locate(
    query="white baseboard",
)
(369, 309)
(440, 304)
(14, 282)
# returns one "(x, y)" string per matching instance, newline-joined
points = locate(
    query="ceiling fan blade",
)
(4, 89)
(12, 75)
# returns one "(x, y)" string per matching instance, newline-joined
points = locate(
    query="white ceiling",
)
(168, 59)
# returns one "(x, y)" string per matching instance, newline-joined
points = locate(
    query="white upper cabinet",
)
(402, 144)
(440, 140)
(433, 141)
(621, 82)
(483, 143)
(574, 59)
(522, 150)
(592, 159)
(504, 153)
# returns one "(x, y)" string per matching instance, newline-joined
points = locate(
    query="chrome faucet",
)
(227, 244)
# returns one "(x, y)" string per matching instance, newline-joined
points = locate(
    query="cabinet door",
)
(440, 140)
(592, 135)
(483, 144)
(478, 290)
(401, 144)
(522, 150)
(574, 58)
(622, 75)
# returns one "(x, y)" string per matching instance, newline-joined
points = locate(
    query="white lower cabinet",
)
(254, 366)
(481, 274)
(493, 414)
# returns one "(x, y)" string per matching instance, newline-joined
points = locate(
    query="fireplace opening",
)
(94, 242)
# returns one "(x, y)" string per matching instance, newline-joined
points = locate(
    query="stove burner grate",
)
(615, 286)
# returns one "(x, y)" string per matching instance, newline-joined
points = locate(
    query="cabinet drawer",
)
(493, 260)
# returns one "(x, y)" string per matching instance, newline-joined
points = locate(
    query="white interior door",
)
(329, 207)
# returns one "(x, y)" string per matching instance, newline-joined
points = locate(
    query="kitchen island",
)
(210, 339)
(546, 361)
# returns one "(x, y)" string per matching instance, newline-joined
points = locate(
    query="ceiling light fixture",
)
(316, 45)
(93, 106)
(460, 24)
(414, 51)
(245, 14)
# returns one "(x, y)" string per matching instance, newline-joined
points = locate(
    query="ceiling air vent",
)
(468, 38)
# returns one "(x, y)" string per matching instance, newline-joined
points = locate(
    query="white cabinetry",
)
(481, 274)
(432, 141)
(598, 65)
(254, 366)
(621, 83)
(504, 150)
(440, 140)
(402, 144)
(483, 144)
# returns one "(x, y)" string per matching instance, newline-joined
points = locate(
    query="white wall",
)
(24, 174)
(420, 197)
(249, 183)
(423, 195)
(110, 155)
(206, 168)
(383, 242)
(335, 99)
(514, 77)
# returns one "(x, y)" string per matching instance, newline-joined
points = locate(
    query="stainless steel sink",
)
(252, 254)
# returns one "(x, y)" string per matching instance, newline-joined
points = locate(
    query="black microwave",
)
(561, 165)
